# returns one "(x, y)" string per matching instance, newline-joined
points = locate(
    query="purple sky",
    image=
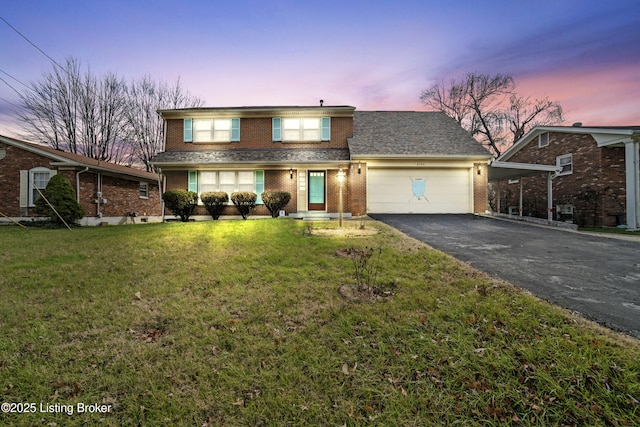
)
(374, 55)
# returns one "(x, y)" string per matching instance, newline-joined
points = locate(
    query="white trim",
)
(632, 170)
(603, 137)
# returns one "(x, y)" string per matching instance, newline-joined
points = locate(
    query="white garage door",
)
(419, 191)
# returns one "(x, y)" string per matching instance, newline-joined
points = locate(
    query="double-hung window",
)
(38, 180)
(566, 163)
(301, 129)
(144, 190)
(212, 130)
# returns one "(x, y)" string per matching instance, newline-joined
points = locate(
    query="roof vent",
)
(577, 125)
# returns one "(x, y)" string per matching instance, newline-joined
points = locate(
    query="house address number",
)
(421, 164)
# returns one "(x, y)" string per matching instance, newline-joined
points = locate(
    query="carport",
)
(499, 171)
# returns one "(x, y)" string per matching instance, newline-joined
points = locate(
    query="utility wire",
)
(15, 78)
(11, 103)
(14, 89)
(30, 42)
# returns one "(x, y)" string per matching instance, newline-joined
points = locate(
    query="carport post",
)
(520, 205)
(550, 197)
(632, 174)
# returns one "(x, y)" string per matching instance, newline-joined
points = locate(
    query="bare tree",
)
(525, 114)
(100, 116)
(76, 112)
(144, 98)
(488, 107)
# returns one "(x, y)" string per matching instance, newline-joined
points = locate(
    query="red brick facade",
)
(256, 134)
(595, 188)
(121, 192)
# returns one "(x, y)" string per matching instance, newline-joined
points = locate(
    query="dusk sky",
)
(373, 55)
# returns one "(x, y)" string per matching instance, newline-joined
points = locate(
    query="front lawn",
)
(243, 323)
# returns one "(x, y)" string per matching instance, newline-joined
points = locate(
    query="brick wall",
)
(480, 188)
(122, 194)
(256, 133)
(596, 188)
(16, 160)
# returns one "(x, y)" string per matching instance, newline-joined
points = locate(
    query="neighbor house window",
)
(212, 130)
(227, 181)
(144, 190)
(38, 180)
(566, 163)
(301, 129)
(543, 139)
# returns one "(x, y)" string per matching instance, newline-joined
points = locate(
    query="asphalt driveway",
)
(596, 276)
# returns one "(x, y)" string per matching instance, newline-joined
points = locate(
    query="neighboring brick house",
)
(595, 182)
(409, 162)
(108, 193)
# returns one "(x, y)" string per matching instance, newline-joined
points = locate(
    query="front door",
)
(317, 191)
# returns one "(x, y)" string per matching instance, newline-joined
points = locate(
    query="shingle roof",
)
(252, 156)
(411, 133)
(73, 159)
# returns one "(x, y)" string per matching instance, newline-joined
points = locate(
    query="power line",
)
(14, 89)
(30, 42)
(15, 78)
(11, 103)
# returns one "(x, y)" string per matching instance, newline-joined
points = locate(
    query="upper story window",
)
(543, 139)
(566, 163)
(298, 129)
(212, 130)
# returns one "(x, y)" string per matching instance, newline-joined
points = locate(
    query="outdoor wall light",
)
(290, 173)
(479, 169)
(359, 168)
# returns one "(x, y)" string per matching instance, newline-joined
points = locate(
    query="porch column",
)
(550, 196)
(632, 169)
(520, 204)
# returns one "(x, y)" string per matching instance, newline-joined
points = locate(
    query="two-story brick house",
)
(406, 162)
(592, 174)
(107, 192)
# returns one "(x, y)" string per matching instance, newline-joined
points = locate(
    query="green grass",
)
(241, 323)
(611, 230)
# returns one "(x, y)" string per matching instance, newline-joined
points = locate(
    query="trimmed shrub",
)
(245, 202)
(214, 202)
(181, 203)
(275, 200)
(60, 194)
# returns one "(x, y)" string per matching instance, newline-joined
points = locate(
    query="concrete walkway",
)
(594, 274)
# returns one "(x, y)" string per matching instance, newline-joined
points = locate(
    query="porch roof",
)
(250, 156)
(510, 170)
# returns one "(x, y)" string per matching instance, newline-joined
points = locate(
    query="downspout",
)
(99, 194)
(160, 187)
(78, 183)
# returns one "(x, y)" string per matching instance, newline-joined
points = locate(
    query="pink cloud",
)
(598, 97)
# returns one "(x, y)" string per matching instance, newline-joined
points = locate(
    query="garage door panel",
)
(445, 191)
